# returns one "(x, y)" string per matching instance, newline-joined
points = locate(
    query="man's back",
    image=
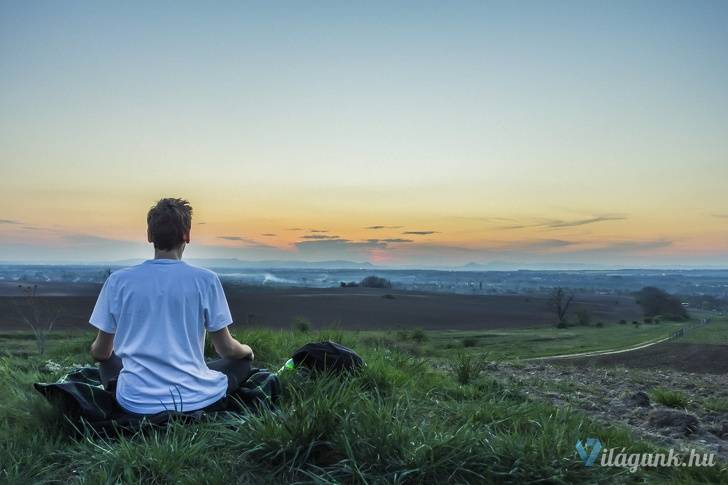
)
(159, 311)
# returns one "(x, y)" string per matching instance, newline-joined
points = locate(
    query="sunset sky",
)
(398, 133)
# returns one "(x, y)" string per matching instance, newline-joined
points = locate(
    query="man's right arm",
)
(227, 347)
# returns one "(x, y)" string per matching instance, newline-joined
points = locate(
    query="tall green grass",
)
(400, 420)
(669, 397)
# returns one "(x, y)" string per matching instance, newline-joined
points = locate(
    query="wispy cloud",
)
(319, 236)
(391, 240)
(720, 216)
(294, 229)
(541, 244)
(268, 234)
(633, 246)
(562, 223)
(421, 233)
(248, 243)
(583, 222)
(487, 219)
(581, 247)
(8, 221)
(338, 248)
(375, 228)
(318, 230)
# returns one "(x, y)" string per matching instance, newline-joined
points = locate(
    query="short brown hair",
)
(168, 222)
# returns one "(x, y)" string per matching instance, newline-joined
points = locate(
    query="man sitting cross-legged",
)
(152, 320)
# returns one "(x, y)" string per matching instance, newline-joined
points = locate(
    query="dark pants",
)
(236, 370)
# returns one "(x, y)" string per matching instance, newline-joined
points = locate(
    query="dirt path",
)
(676, 355)
(596, 353)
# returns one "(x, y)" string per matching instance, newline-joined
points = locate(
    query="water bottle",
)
(289, 366)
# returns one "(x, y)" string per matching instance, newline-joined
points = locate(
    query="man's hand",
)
(102, 346)
(227, 347)
(248, 352)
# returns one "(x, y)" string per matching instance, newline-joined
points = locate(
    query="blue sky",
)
(447, 117)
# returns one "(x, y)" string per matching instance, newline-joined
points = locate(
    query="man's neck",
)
(168, 254)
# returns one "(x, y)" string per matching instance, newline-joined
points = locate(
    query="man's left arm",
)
(104, 319)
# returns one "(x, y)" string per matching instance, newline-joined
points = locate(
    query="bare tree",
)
(38, 314)
(560, 302)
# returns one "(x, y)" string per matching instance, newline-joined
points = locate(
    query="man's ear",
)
(149, 235)
(187, 237)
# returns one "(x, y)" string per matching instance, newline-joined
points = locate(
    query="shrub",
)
(655, 301)
(301, 324)
(40, 314)
(600, 325)
(623, 322)
(669, 398)
(470, 342)
(583, 317)
(418, 335)
(388, 296)
(717, 404)
(375, 282)
(467, 368)
(647, 320)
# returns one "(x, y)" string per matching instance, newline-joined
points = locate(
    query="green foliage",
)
(400, 420)
(470, 342)
(717, 404)
(655, 301)
(416, 335)
(209, 348)
(669, 398)
(467, 367)
(375, 282)
(301, 324)
(583, 317)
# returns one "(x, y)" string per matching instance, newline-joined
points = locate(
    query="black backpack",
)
(327, 357)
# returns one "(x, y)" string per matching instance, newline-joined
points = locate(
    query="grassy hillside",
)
(546, 341)
(401, 420)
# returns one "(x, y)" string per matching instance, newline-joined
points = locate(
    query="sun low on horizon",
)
(533, 134)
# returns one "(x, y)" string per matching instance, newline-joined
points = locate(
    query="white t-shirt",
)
(159, 311)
